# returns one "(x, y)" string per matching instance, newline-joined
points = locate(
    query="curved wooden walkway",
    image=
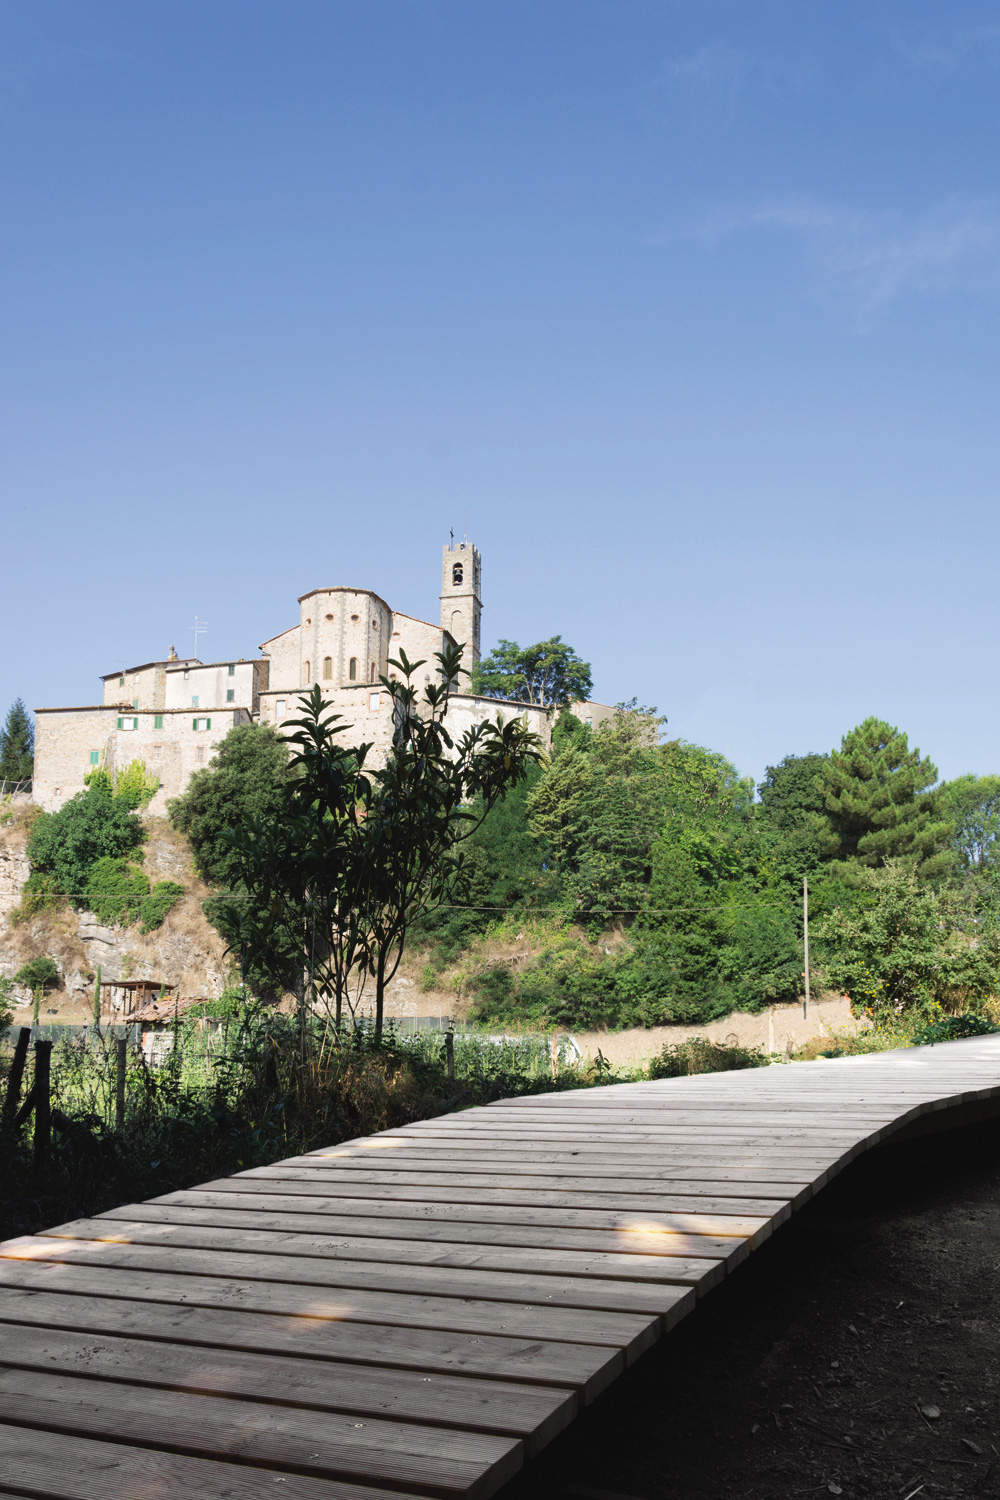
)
(417, 1312)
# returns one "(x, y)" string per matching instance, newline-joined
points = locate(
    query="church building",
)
(172, 714)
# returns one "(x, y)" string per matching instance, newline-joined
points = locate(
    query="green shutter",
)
(194, 723)
(135, 723)
(95, 756)
(157, 721)
(208, 723)
(121, 723)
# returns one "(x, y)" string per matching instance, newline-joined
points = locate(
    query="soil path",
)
(806, 1373)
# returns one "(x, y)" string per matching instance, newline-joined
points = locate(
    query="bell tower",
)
(461, 597)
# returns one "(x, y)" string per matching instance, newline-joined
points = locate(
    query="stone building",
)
(172, 714)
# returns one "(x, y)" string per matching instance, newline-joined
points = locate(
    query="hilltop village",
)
(172, 714)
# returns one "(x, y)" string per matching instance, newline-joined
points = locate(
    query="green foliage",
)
(37, 895)
(972, 805)
(17, 745)
(120, 895)
(38, 973)
(880, 802)
(133, 787)
(903, 948)
(699, 1055)
(953, 1029)
(6, 1003)
(549, 673)
(93, 825)
(162, 899)
(244, 780)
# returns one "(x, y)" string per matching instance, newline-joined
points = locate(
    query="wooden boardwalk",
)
(416, 1313)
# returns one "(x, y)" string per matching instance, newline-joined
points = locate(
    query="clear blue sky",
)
(692, 306)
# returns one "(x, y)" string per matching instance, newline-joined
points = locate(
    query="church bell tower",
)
(461, 598)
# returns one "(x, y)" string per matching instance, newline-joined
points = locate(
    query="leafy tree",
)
(244, 780)
(792, 812)
(65, 845)
(350, 859)
(972, 804)
(133, 786)
(549, 673)
(17, 744)
(880, 801)
(38, 973)
(905, 947)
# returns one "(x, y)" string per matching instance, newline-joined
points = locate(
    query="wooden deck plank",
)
(623, 1239)
(631, 1332)
(61, 1467)
(330, 1211)
(267, 1246)
(431, 1460)
(584, 1368)
(505, 1408)
(348, 1276)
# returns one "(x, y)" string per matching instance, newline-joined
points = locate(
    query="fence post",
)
(121, 1058)
(43, 1059)
(449, 1052)
(14, 1077)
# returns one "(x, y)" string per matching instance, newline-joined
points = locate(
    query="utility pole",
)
(805, 934)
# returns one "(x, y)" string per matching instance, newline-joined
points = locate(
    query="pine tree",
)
(17, 745)
(881, 804)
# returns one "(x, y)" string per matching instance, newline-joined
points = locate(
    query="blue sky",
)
(693, 307)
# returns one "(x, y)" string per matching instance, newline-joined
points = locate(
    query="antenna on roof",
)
(465, 538)
(451, 533)
(199, 627)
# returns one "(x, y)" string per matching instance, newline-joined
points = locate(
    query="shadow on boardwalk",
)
(805, 1372)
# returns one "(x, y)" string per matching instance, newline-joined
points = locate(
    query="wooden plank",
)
(347, 1277)
(482, 1254)
(627, 1237)
(60, 1467)
(632, 1333)
(671, 1198)
(584, 1368)
(324, 1211)
(487, 1162)
(432, 1460)
(505, 1408)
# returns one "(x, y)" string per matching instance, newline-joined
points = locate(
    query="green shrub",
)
(699, 1055)
(38, 973)
(953, 1028)
(36, 896)
(115, 891)
(162, 899)
(92, 826)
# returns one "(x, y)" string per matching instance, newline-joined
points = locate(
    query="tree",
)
(880, 803)
(17, 745)
(351, 858)
(972, 804)
(65, 845)
(550, 674)
(904, 947)
(244, 780)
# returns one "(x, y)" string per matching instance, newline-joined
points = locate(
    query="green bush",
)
(92, 826)
(162, 899)
(953, 1028)
(115, 891)
(699, 1055)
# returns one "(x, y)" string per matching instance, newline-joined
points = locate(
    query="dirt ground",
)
(807, 1372)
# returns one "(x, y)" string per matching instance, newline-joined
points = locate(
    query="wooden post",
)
(449, 1052)
(554, 1048)
(43, 1059)
(14, 1077)
(805, 935)
(97, 1000)
(121, 1058)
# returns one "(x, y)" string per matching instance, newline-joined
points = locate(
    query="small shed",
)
(123, 997)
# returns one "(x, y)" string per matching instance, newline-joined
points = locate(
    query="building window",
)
(374, 672)
(373, 703)
(327, 668)
(202, 723)
(306, 673)
(121, 682)
(157, 751)
(279, 708)
(157, 721)
(199, 754)
(352, 670)
(95, 757)
(135, 703)
(230, 695)
(374, 624)
(232, 669)
(194, 700)
(128, 723)
(329, 617)
(457, 575)
(187, 674)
